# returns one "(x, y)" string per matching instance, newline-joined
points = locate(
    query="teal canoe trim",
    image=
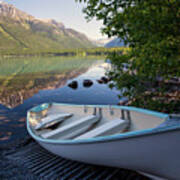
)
(130, 108)
(39, 108)
(145, 111)
(133, 134)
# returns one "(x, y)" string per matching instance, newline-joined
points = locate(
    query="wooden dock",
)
(37, 163)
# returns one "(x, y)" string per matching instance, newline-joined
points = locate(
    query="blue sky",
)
(67, 11)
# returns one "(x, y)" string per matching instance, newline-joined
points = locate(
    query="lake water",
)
(26, 82)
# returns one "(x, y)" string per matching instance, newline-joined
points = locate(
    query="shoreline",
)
(91, 52)
(50, 55)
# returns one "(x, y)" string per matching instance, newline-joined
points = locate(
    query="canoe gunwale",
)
(127, 135)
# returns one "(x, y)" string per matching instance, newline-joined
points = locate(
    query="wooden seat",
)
(114, 126)
(52, 119)
(72, 129)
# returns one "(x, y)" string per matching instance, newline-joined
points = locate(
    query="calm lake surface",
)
(26, 82)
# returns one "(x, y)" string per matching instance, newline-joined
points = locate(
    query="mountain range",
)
(102, 41)
(20, 31)
(116, 42)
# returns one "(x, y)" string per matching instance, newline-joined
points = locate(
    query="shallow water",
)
(27, 82)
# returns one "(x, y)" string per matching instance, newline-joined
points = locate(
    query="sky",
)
(68, 12)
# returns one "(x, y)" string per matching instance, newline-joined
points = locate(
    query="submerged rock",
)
(100, 81)
(87, 83)
(104, 80)
(73, 85)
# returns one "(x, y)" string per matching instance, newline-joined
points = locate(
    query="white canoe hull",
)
(154, 154)
(153, 151)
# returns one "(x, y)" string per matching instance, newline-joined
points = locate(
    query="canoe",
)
(117, 136)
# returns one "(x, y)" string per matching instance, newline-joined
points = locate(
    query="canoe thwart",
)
(72, 128)
(111, 127)
(52, 119)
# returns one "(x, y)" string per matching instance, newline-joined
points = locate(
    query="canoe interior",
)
(137, 120)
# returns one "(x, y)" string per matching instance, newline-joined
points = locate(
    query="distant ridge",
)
(102, 41)
(116, 42)
(20, 31)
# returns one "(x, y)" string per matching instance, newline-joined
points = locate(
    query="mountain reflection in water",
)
(25, 83)
(22, 78)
